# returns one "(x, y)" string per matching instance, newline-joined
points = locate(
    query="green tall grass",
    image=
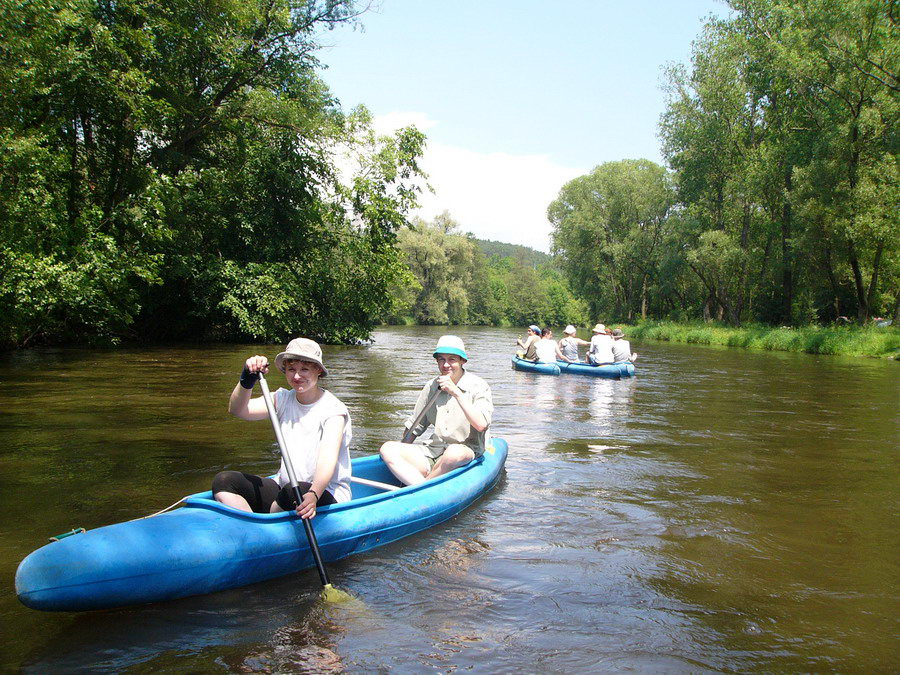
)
(846, 340)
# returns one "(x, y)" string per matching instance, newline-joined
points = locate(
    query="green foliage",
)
(782, 136)
(845, 340)
(441, 262)
(526, 255)
(169, 171)
(608, 231)
(781, 206)
(451, 281)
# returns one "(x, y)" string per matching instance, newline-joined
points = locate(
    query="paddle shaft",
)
(282, 446)
(374, 483)
(419, 417)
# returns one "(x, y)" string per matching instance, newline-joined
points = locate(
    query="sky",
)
(517, 97)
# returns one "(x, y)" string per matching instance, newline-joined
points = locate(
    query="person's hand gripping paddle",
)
(408, 434)
(329, 592)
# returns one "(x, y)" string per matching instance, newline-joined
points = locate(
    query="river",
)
(725, 510)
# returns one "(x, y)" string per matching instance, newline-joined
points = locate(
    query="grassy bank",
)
(846, 340)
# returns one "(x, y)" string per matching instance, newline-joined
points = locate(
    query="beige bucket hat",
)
(301, 349)
(599, 328)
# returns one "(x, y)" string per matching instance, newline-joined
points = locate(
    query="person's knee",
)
(284, 501)
(458, 454)
(391, 451)
(225, 481)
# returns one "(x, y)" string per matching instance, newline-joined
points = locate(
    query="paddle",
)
(329, 592)
(419, 417)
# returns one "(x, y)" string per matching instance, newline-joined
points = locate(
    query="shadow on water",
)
(725, 510)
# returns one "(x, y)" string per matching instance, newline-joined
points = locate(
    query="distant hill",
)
(504, 250)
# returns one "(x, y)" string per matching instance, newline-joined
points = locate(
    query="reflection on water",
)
(724, 510)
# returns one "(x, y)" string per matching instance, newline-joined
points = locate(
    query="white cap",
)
(569, 330)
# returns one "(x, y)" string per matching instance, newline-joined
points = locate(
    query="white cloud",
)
(493, 195)
(388, 124)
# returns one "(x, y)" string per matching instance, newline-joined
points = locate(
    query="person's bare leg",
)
(233, 500)
(405, 461)
(454, 456)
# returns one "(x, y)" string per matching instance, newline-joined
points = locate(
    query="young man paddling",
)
(459, 406)
(316, 428)
(528, 348)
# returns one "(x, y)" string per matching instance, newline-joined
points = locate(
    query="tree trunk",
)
(787, 274)
(829, 270)
(873, 281)
(862, 310)
(644, 299)
(72, 201)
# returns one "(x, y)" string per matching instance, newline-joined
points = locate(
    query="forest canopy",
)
(458, 279)
(782, 201)
(169, 172)
(180, 171)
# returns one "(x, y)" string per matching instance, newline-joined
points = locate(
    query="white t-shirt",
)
(601, 349)
(301, 426)
(546, 351)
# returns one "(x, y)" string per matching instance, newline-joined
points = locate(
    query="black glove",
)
(248, 379)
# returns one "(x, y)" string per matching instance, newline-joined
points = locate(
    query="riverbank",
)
(846, 340)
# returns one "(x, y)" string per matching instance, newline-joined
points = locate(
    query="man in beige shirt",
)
(458, 405)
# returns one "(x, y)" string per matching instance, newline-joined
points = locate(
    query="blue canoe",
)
(205, 546)
(610, 370)
(535, 366)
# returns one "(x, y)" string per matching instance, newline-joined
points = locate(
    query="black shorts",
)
(261, 492)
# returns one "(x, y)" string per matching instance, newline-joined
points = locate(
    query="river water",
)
(725, 510)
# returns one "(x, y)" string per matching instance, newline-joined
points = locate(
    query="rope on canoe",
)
(168, 508)
(81, 530)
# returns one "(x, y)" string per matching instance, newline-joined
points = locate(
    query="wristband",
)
(315, 493)
(248, 379)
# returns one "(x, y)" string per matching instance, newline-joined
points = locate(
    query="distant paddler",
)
(568, 346)
(600, 351)
(458, 405)
(528, 348)
(621, 347)
(546, 347)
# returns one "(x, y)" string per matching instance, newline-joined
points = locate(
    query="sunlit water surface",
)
(725, 510)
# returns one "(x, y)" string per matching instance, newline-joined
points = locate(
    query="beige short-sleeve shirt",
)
(450, 422)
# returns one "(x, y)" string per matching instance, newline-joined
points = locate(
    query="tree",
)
(608, 227)
(172, 174)
(783, 131)
(441, 261)
(844, 59)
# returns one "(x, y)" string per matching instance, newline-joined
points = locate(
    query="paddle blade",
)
(332, 594)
